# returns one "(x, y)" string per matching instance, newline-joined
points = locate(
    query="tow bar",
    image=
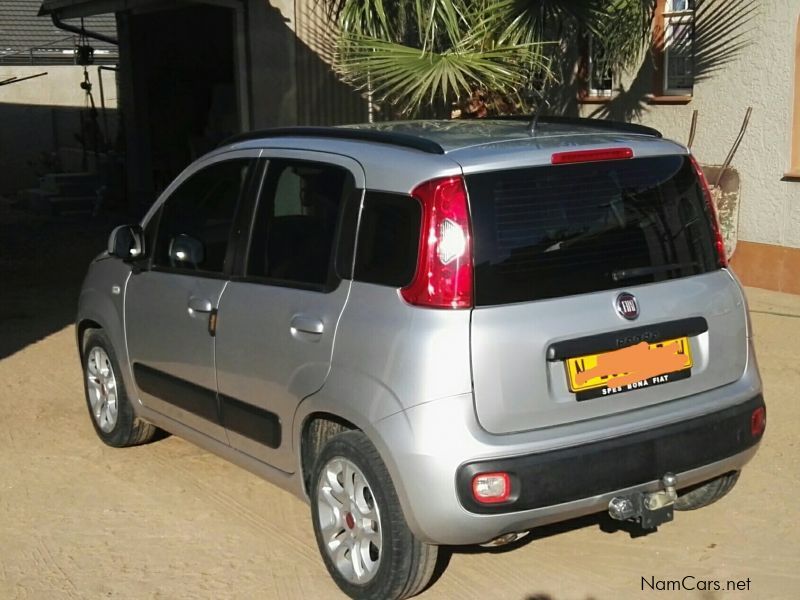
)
(648, 509)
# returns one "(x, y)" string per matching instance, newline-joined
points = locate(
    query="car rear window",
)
(545, 232)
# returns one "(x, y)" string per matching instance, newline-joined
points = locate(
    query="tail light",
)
(719, 241)
(444, 265)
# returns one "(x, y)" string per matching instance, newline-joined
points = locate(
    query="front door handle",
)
(306, 325)
(199, 305)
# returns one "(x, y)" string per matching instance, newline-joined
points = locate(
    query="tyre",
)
(362, 535)
(706, 493)
(106, 398)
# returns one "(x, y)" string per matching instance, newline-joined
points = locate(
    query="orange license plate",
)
(635, 367)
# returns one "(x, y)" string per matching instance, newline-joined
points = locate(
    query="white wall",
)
(761, 77)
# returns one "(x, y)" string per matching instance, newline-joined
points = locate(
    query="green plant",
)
(422, 57)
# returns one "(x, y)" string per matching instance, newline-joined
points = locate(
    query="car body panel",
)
(164, 335)
(518, 388)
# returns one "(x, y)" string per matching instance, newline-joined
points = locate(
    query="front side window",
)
(295, 229)
(196, 220)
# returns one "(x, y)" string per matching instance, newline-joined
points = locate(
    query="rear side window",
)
(295, 225)
(545, 232)
(388, 239)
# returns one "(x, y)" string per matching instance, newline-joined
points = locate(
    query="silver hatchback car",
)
(435, 332)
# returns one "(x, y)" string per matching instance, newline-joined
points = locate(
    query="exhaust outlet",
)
(504, 539)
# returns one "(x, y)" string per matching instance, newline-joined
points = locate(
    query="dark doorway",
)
(188, 68)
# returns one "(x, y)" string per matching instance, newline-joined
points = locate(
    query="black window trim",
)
(241, 205)
(358, 196)
(239, 274)
(379, 194)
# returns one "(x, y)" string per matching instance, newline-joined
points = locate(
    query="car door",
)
(277, 321)
(170, 305)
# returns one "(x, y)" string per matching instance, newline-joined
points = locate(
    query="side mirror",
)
(186, 252)
(126, 242)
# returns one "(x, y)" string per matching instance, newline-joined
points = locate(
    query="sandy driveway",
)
(167, 520)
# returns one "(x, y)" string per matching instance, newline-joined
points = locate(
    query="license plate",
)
(632, 368)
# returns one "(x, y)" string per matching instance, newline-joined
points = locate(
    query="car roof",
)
(401, 153)
(439, 136)
(460, 134)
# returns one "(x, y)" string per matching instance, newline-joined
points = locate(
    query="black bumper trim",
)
(577, 472)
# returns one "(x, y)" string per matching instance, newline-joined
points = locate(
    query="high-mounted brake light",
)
(719, 241)
(579, 156)
(444, 265)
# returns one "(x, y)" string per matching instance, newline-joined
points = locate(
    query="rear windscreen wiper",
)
(621, 274)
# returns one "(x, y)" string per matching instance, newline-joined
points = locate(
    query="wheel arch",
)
(97, 310)
(356, 413)
(81, 327)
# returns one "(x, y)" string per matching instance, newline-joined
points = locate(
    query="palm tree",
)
(414, 57)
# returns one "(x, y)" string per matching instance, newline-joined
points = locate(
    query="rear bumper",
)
(594, 469)
(563, 472)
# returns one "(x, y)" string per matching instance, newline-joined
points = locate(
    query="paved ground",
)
(167, 520)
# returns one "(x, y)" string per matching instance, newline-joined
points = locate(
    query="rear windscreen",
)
(544, 232)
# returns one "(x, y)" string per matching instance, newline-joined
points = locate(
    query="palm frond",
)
(408, 76)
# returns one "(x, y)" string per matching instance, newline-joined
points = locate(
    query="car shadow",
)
(43, 260)
(600, 520)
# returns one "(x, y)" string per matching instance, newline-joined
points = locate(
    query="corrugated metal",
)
(322, 99)
(21, 28)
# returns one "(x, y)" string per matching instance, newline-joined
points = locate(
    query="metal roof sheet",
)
(21, 29)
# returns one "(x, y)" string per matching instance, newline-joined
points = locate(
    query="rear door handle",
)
(306, 325)
(199, 305)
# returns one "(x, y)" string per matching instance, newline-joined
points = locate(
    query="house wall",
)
(762, 76)
(40, 117)
(292, 83)
(60, 87)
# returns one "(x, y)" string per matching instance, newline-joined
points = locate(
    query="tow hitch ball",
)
(649, 510)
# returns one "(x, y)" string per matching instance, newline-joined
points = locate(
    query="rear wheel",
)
(706, 493)
(106, 397)
(362, 535)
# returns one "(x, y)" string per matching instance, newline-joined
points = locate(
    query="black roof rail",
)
(587, 122)
(403, 140)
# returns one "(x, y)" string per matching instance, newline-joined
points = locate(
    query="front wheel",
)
(359, 525)
(106, 397)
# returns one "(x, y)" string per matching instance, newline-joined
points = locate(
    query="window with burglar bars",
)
(600, 75)
(678, 31)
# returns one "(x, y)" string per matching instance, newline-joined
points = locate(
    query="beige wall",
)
(761, 77)
(60, 87)
(290, 76)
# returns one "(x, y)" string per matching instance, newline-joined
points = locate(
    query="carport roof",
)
(83, 8)
(21, 29)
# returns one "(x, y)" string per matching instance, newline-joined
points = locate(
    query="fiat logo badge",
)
(627, 307)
